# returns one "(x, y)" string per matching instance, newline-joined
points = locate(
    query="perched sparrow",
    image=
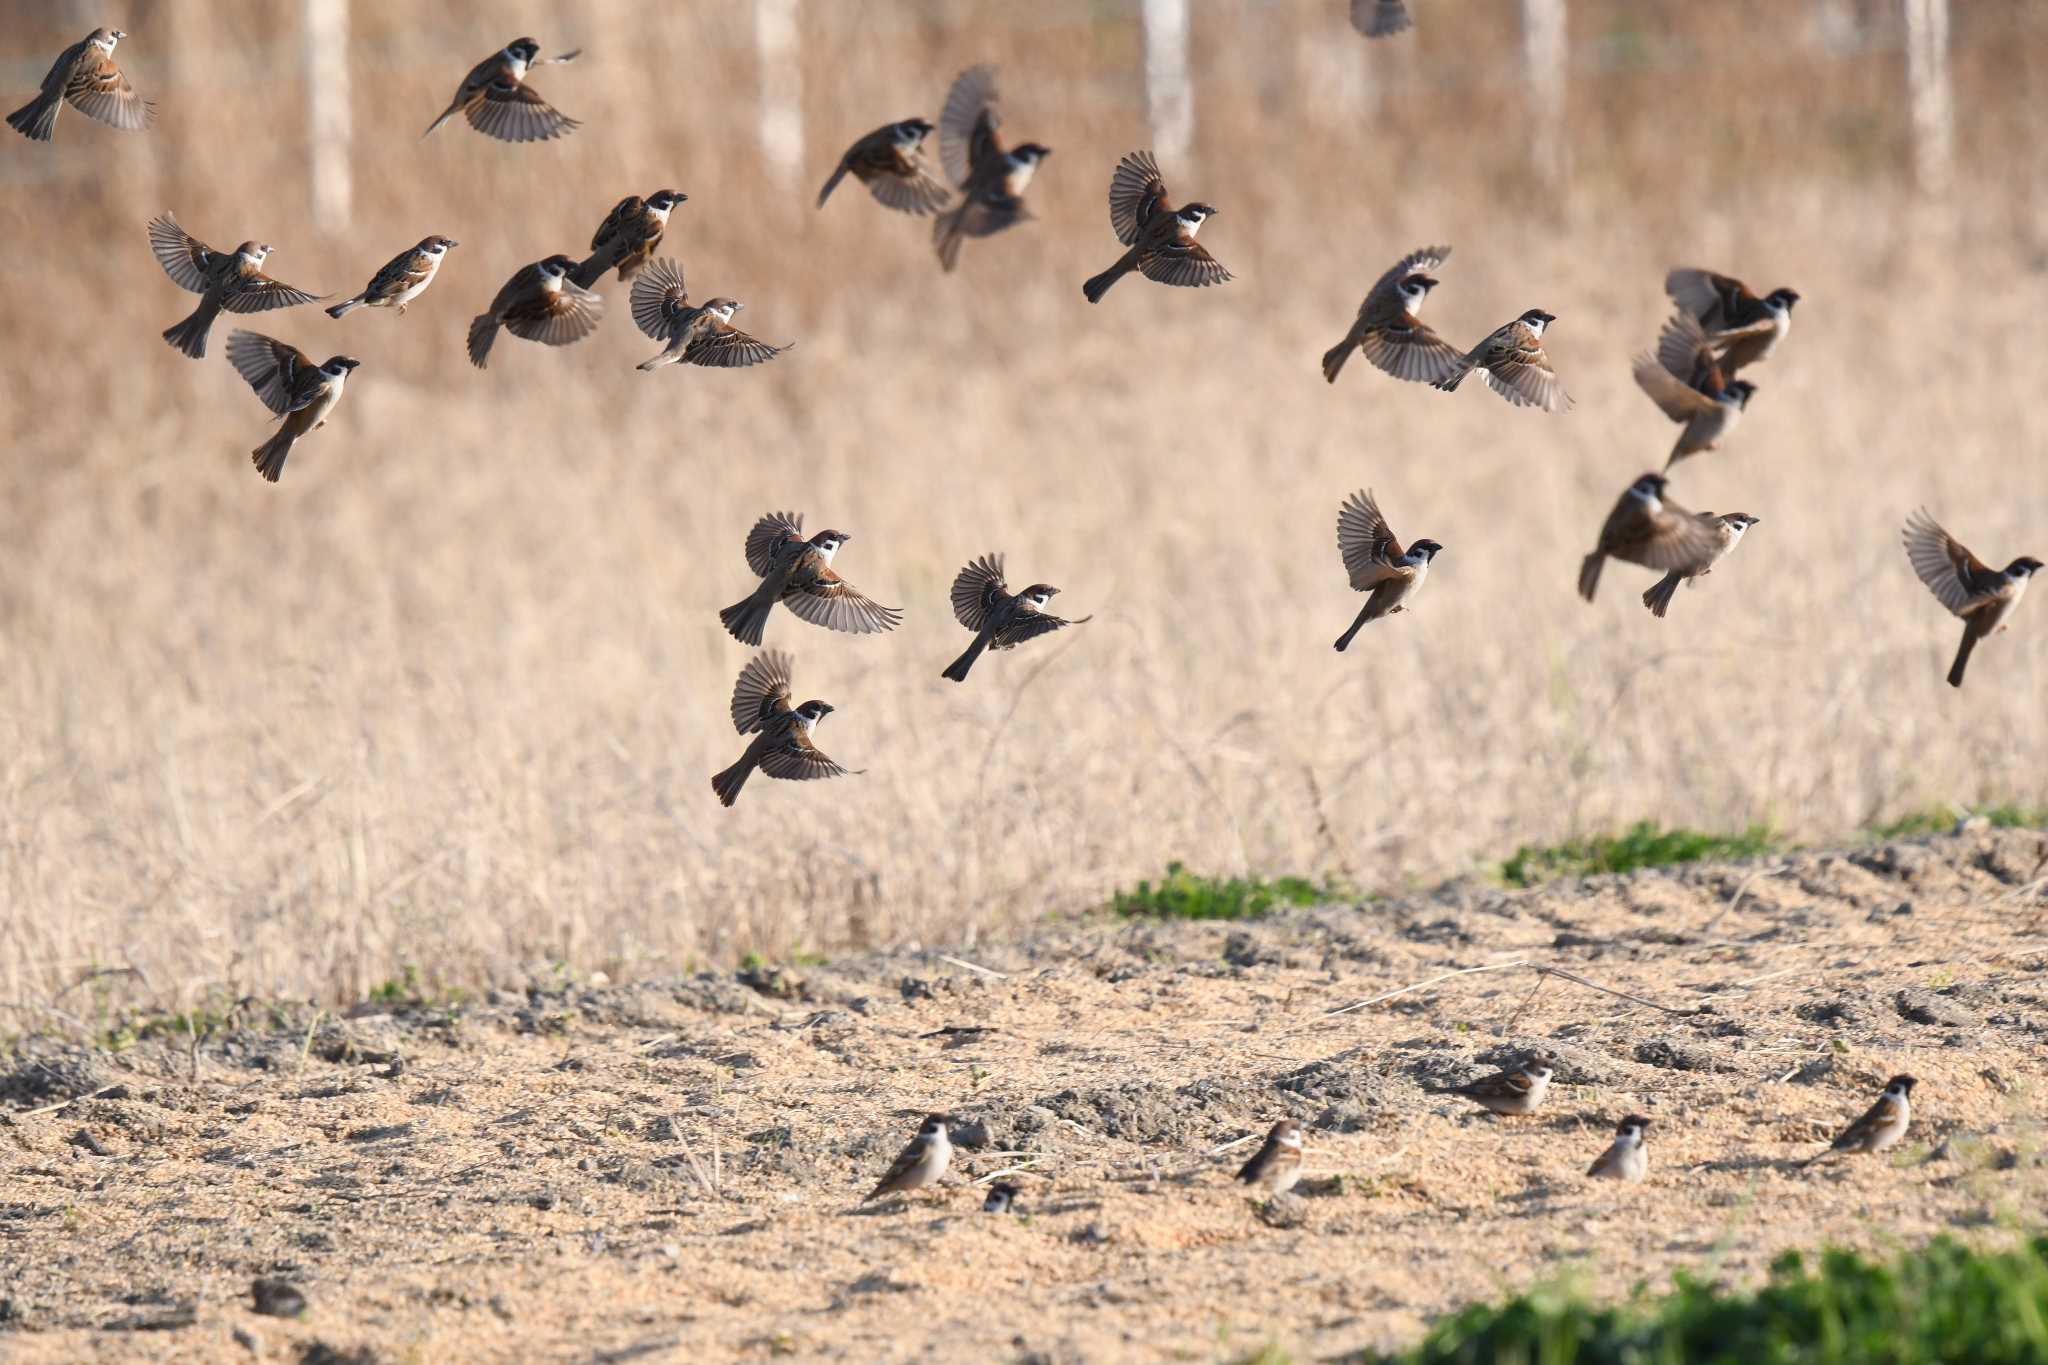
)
(1515, 366)
(1732, 525)
(1966, 585)
(921, 1162)
(1161, 238)
(798, 573)
(1388, 327)
(1627, 1159)
(539, 303)
(497, 101)
(983, 603)
(1649, 529)
(890, 162)
(1376, 561)
(1881, 1126)
(85, 74)
(1743, 328)
(628, 236)
(232, 280)
(1002, 1198)
(991, 180)
(1517, 1090)
(701, 334)
(290, 385)
(1277, 1164)
(1684, 381)
(782, 748)
(404, 278)
(1379, 18)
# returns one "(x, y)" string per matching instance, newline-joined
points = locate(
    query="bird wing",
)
(906, 1161)
(1379, 18)
(825, 599)
(1366, 543)
(1685, 350)
(624, 217)
(184, 257)
(400, 273)
(1029, 625)
(976, 589)
(1880, 1115)
(1519, 371)
(1680, 401)
(256, 292)
(1672, 539)
(556, 317)
(1381, 302)
(968, 123)
(1409, 349)
(796, 759)
(99, 90)
(769, 535)
(915, 190)
(1136, 195)
(1184, 263)
(1704, 294)
(1954, 575)
(513, 111)
(723, 346)
(762, 693)
(659, 298)
(276, 370)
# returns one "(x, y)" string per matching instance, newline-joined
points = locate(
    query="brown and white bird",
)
(404, 278)
(290, 385)
(498, 102)
(1161, 237)
(1379, 18)
(1733, 526)
(231, 280)
(921, 1163)
(1517, 1090)
(1983, 596)
(890, 161)
(697, 334)
(1516, 368)
(626, 239)
(1000, 619)
(1276, 1166)
(1881, 1126)
(1684, 381)
(1649, 529)
(540, 303)
(1389, 329)
(1743, 328)
(84, 74)
(797, 572)
(782, 744)
(1377, 563)
(1626, 1158)
(991, 178)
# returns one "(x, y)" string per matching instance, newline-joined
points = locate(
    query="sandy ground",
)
(671, 1171)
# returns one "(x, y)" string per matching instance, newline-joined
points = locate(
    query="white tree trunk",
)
(778, 48)
(1927, 88)
(1543, 70)
(1169, 98)
(328, 129)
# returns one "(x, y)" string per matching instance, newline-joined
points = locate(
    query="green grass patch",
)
(1182, 894)
(1643, 844)
(1942, 819)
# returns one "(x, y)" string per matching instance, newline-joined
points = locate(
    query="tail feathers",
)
(1344, 640)
(728, 783)
(269, 457)
(431, 127)
(1658, 596)
(37, 119)
(592, 269)
(1955, 670)
(668, 357)
(947, 236)
(343, 309)
(957, 670)
(189, 336)
(1449, 383)
(1589, 574)
(745, 621)
(483, 330)
(832, 184)
(1334, 358)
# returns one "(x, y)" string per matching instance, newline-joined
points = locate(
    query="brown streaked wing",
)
(1410, 350)
(1366, 542)
(1680, 401)
(1683, 350)
(796, 759)
(1189, 265)
(918, 193)
(658, 298)
(1521, 374)
(762, 692)
(1029, 626)
(769, 535)
(272, 367)
(513, 111)
(725, 347)
(987, 217)
(1704, 294)
(1673, 539)
(100, 91)
(184, 257)
(626, 215)
(973, 586)
(1136, 194)
(258, 293)
(832, 602)
(557, 317)
(1951, 572)
(968, 122)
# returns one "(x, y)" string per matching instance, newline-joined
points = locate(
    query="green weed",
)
(1644, 844)
(1181, 894)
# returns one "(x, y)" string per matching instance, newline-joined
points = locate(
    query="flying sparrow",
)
(1379, 18)
(1518, 1090)
(1683, 380)
(984, 604)
(1376, 561)
(1161, 238)
(1744, 329)
(1881, 1126)
(1002, 1198)
(539, 303)
(1732, 526)
(498, 102)
(233, 280)
(783, 747)
(1649, 529)
(404, 278)
(628, 236)
(1627, 1159)
(1389, 330)
(1277, 1164)
(1966, 585)
(798, 573)
(701, 334)
(85, 74)
(290, 385)
(921, 1162)
(890, 162)
(991, 179)
(1515, 366)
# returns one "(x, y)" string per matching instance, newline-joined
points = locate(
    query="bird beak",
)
(451, 241)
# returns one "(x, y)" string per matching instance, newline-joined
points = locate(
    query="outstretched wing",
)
(1136, 193)
(1954, 575)
(1366, 543)
(1029, 626)
(1188, 264)
(968, 122)
(762, 692)
(184, 257)
(769, 535)
(830, 601)
(1381, 301)
(276, 370)
(513, 111)
(659, 298)
(975, 587)
(557, 317)
(796, 759)
(100, 91)
(259, 293)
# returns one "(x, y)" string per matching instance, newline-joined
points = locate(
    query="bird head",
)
(661, 201)
(1898, 1087)
(1780, 300)
(2026, 566)
(811, 712)
(1536, 320)
(436, 245)
(1038, 594)
(338, 366)
(1738, 391)
(934, 1125)
(1737, 523)
(827, 543)
(1633, 1126)
(1287, 1133)
(556, 268)
(1427, 548)
(1192, 214)
(522, 50)
(253, 252)
(105, 38)
(1649, 488)
(1029, 153)
(911, 132)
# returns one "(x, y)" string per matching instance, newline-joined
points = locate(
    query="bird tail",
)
(957, 670)
(1334, 358)
(1449, 383)
(189, 336)
(269, 457)
(592, 269)
(745, 621)
(728, 783)
(347, 306)
(832, 184)
(1589, 574)
(483, 330)
(1657, 597)
(673, 355)
(947, 236)
(450, 113)
(1364, 615)
(1099, 285)
(1955, 670)
(37, 119)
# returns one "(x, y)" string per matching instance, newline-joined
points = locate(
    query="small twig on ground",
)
(965, 965)
(707, 1180)
(64, 1104)
(1237, 1142)
(306, 1047)
(1542, 969)
(655, 1041)
(1017, 1169)
(1516, 1017)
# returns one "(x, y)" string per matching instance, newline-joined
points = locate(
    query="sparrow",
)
(798, 573)
(290, 385)
(1627, 1158)
(231, 280)
(404, 278)
(1002, 1198)
(984, 604)
(1966, 585)
(1376, 561)
(1515, 366)
(890, 162)
(1881, 1126)
(1518, 1090)
(991, 179)
(497, 101)
(1743, 328)
(1649, 529)
(1388, 329)
(1379, 18)
(782, 747)
(921, 1162)
(1732, 526)
(701, 334)
(1277, 1164)
(628, 236)
(1683, 379)
(539, 303)
(85, 74)
(1161, 238)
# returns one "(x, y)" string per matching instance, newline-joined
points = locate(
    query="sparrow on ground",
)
(498, 102)
(921, 1162)
(782, 747)
(1627, 1158)
(1657, 597)
(1515, 366)
(85, 74)
(991, 179)
(1881, 1126)
(1983, 596)
(1742, 327)
(1000, 619)
(890, 161)
(701, 334)
(1376, 562)
(404, 278)
(1649, 529)
(539, 303)
(1683, 379)
(628, 236)
(1379, 18)
(798, 573)
(1277, 1164)
(1161, 238)
(233, 280)
(1389, 330)
(290, 385)
(1002, 1198)
(1518, 1090)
